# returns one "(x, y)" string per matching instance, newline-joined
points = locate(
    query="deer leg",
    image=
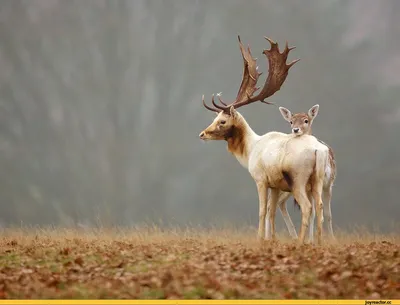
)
(286, 217)
(300, 195)
(318, 208)
(272, 212)
(267, 222)
(267, 226)
(327, 209)
(317, 190)
(263, 199)
(312, 219)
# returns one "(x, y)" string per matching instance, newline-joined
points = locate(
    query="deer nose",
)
(202, 134)
(296, 130)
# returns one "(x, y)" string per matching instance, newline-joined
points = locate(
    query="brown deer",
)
(301, 124)
(276, 161)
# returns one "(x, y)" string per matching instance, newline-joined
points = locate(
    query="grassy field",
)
(150, 263)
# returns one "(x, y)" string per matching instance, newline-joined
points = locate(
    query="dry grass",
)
(150, 263)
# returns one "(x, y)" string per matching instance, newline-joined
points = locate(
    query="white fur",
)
(266, 158)
(328, 172)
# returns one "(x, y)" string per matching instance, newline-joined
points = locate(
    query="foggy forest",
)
(100, 108)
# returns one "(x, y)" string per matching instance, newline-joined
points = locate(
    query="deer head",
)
(300, 122)
(222, 127)
(227, 117)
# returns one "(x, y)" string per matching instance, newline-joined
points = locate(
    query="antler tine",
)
(220, 100)
(270, 41)
(292, 63)
(289, 48)
(225, 105)
(208, 107)
(216, 105)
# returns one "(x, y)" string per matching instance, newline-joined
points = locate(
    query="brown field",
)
(153, 264)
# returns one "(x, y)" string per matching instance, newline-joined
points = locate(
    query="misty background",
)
(100, 107)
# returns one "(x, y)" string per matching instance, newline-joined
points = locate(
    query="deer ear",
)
(312, 113)
(233, 112)
(287, 115)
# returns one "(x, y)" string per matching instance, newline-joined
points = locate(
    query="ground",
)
(151, 263)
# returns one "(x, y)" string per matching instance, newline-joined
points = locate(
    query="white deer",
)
(276, 161)
(301, 124)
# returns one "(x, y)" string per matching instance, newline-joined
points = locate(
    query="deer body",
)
(276, 161)
(270, 160)
(301, 124)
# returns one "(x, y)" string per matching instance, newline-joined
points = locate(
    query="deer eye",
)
(291, 122)
(306, 121)
(222, 122)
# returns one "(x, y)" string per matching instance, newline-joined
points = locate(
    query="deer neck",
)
(241, 140)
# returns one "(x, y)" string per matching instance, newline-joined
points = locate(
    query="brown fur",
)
(233, 132)
(236, 141)
(288, 179)
(298, 120)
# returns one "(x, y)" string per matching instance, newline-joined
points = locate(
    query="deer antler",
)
(249, 79)
(250, 74)
(278, 71)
